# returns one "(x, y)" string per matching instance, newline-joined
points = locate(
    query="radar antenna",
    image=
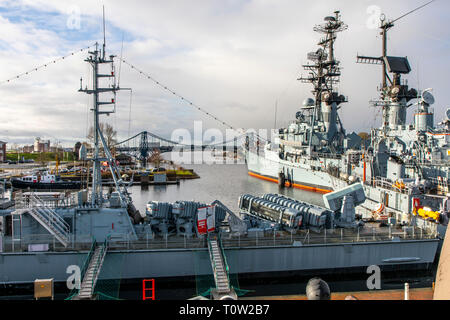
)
(325, 72)
(104, 33)
(383, 60)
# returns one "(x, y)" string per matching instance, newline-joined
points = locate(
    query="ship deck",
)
(370, 233)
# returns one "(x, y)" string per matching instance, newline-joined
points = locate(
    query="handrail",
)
(88, 258)
(100, 257)
(227, 269)
(224, 263)
(35, 198)
(54, 223)
(211, 256)
(87, 261)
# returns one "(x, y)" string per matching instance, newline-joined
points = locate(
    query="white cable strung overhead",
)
(44, 65)
(148, 76)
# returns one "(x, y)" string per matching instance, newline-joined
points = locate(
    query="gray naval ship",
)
(404, 168)
(82, 238)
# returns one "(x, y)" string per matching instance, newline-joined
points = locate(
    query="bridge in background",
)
(142, 145)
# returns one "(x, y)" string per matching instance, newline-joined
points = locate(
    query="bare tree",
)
(156, 159)
(108, 132)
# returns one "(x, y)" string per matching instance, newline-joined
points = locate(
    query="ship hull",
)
(300, 175)
(66, 185)
(145, 264)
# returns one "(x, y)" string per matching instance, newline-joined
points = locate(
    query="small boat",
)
(44, 181)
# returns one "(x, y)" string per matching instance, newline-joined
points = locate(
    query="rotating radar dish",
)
(448, 113)
(428, 98)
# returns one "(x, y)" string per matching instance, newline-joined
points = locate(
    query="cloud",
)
(236, 59)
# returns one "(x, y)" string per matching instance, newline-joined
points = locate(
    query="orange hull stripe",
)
(297, 186)
(439, 134)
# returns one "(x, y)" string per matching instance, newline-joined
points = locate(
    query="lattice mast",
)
(324, 74)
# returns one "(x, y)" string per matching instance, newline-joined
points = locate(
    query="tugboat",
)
(44, 181)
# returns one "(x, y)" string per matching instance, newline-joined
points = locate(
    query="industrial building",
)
(2, 151)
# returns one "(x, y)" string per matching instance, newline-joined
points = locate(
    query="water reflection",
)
(217, 182)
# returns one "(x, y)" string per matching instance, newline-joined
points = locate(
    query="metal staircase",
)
(220, 275)
(46, 217)
(91, 275)
(220, 270)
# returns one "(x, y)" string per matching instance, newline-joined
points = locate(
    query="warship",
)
(81, 239)
(404, 168)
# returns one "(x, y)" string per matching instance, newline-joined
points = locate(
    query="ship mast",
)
(324, 74)
(394, 94)
(97, 59)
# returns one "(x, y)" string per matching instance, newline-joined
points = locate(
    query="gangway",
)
(92, 272)
(223, 290)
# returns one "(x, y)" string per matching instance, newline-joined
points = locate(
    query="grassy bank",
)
(40, 157)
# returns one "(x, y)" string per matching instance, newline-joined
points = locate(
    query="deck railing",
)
(269, 239)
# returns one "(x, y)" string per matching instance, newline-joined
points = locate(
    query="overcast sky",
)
(234, 58)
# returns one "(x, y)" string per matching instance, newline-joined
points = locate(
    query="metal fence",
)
(45, 242)
(336, 236)
(26, 200)
(257, 239)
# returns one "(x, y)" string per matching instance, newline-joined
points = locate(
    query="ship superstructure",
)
(404, 167)
(316, 140)
(400, 150)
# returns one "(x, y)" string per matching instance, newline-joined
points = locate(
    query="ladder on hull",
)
(223, 288)
(92, 272)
